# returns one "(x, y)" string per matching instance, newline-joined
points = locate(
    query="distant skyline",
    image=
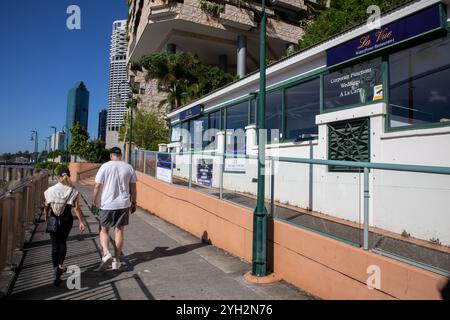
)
(44, 59)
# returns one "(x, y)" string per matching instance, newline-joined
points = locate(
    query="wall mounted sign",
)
(205, 172)
(191, 112)
(164, 167)
(418, 23)
(357, 84)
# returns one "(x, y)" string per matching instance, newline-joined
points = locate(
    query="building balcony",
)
(193, 29)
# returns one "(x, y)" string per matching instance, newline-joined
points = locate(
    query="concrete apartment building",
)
(117, 86)
(227, 38)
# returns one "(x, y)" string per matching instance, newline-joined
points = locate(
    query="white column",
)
(251, 140)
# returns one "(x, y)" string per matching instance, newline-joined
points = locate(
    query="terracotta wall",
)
(76, 167)
(320, 265)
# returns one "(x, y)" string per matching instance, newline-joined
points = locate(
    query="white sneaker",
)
(105, 263)
(115, 265)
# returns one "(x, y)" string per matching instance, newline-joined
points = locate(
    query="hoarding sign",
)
(164, 167)
(205, 172)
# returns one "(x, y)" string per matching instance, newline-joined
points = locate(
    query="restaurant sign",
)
(191, 112)
(418, 23)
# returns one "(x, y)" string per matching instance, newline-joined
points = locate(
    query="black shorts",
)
(114, 218)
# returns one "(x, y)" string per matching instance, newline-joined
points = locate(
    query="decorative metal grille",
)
(349, 141)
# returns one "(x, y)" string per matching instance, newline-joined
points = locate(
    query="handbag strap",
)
(67, 200)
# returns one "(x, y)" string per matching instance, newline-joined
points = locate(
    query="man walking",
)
(116, 182)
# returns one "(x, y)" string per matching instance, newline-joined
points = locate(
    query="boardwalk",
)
(160, 261)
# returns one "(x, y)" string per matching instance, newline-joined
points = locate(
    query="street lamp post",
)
(118, 99)
(259, 259)
(36, 144)
(66, 142)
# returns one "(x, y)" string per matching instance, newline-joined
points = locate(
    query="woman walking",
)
(60, 199)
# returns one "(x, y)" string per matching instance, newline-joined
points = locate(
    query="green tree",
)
(180, 73)
(79, 141)
(342, 15)
(96, 152)
(149, 129)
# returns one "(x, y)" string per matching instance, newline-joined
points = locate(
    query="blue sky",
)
(40, 60)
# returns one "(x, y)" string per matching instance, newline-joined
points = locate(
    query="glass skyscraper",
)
(77, 107)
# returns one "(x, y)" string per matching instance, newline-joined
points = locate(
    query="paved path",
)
(161, 261)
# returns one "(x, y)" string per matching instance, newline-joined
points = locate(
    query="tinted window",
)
(302, 106)
(419, 84)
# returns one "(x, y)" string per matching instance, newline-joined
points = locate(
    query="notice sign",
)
(205, 172)
(164, 167)
(354, 85)
(235, 164)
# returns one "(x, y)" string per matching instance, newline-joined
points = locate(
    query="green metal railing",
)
(364, 168)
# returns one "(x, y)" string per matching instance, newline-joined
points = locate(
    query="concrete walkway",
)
(160, 261)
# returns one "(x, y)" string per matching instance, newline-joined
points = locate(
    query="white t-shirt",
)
(56, 196)
(115, 177)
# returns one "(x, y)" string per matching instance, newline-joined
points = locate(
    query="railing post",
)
(145, 162)
(272, 186)
(366, 209)
(191, 155)
(4, 233)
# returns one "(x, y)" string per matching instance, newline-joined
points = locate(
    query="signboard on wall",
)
(164, 167)
(205, 172)
(191, 112)
(235, 164)
(356, 84)
(418, 23)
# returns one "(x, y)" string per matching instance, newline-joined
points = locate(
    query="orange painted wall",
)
(76, 167)
(320, 265)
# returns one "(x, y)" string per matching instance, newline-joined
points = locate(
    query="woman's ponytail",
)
(65, 180)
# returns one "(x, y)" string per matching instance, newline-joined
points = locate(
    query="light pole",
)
(259, 259)
(54, 138)
(118, 99)
(66, 141)
(34, 137)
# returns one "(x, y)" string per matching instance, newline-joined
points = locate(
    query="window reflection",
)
(419, 84)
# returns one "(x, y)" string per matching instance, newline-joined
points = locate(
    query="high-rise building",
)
(117, 83)
(58, 141)
(102, 115)
(77, 107)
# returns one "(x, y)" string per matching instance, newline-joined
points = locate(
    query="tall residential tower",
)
(117, 85)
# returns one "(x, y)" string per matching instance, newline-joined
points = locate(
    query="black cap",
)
(63, 171)
(115, 150)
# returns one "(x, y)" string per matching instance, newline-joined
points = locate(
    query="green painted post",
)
(259, 260)
(131, 134)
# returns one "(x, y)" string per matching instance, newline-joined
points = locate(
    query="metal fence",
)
(20, 205)
(399, 211)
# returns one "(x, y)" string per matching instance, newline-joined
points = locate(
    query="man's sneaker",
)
(106, 262)
(115, 265)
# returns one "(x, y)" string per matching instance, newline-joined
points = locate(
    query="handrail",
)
(354, 164)
(24, 183)
(85, 171)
